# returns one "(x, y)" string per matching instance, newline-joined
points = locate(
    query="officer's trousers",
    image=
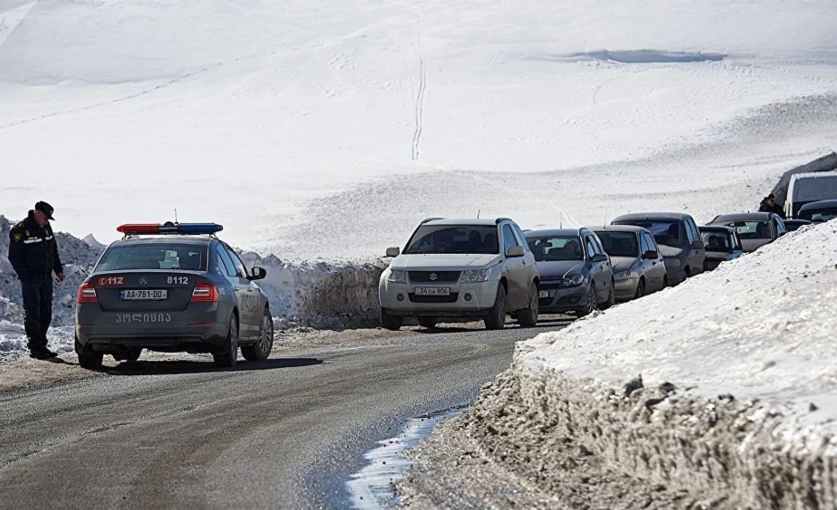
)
(37, 309)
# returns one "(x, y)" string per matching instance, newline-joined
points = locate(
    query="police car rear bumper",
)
(173, 331)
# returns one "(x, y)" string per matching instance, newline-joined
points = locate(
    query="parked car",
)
(795, 224)
(461, 269)
(722, 244)
(678, 239)
(638, 266)
(754, 229)
(576, 273)
(805, 188)
(819, 212)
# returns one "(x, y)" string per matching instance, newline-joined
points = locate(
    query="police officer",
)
(33, 253)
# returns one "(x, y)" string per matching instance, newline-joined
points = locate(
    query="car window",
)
(618, 244)
(521, 238)
(509, 240)
(780, 227)
(590, 245)
(691, 230)
(154, 256)
(750, 229)
(643, 243)
(716, 240)
(554, 248)
(445, 239)
(240, 268)
(226, 261)
(666, 232)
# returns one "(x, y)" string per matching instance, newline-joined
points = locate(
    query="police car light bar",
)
(132, 229)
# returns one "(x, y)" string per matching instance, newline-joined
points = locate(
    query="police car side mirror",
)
(258, 273)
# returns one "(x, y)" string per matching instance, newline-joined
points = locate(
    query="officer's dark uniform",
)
(33, 253)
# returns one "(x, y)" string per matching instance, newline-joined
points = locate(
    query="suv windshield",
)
(716, 241)
(753, 229)
(664, 231)
(619, 244)
(553, 248)
(154, 256)
(446, 239)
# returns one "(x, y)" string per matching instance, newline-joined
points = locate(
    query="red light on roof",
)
(139, 228)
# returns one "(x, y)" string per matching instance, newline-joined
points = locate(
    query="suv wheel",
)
(528, 318)
(87, 357)
(496, 318)
(592, 305)
(427, 322)
(391, 322)
(260, 350)
(227, 355)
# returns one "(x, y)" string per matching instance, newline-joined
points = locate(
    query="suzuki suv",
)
(461, 269)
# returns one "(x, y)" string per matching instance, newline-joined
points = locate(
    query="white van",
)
(809, 187)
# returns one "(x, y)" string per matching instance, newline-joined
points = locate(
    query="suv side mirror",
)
(393, 252)
(515, 251)
(258, 273)
(650, 255)
(599, 257)
(698, 245)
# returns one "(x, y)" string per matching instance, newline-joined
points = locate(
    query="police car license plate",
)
(543, 294)
(143, 295)
(432, 291)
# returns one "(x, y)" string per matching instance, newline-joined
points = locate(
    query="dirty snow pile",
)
(721, 392)
(317, 294)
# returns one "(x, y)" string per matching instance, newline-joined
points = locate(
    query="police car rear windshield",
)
(154, 256)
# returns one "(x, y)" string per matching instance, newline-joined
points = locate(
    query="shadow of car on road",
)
(550, 323)
(196, 367)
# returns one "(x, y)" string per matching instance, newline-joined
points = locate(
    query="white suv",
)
(461, 269)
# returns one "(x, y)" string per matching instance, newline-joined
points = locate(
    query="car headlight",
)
(474, 276)
(397, 276)
(672, 262)
(573, 281)
(625, 274)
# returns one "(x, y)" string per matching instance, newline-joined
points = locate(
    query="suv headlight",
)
(625, 274)
(474, 276)
(572, 281)
(397, 276)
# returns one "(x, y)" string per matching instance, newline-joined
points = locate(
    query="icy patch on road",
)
(373, 487)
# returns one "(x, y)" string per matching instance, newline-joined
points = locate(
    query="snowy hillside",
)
(318, 119)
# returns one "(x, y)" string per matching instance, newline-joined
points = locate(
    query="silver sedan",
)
(638, 265)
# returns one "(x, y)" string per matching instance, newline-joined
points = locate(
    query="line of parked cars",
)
(472, 269)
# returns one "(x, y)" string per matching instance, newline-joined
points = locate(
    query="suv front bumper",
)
(464, 300)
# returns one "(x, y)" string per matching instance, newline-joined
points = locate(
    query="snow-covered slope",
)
(315, 117)
(718, 392)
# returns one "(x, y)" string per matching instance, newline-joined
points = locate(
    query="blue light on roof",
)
(199, 228)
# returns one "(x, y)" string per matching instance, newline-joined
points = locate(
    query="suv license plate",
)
(432, 291)
(143, 295)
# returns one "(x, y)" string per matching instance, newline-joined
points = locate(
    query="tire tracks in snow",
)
(416, 149)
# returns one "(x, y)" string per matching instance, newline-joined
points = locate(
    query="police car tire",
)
(227, 355)
(260, 351)
(88, 358)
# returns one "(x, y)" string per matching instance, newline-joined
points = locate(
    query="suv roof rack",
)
(430, 219)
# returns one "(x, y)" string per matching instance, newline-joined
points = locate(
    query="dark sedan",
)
(795, 224)
(181, 290)
(754, 229)
(819, 212)
(722, 244)
(576, 274)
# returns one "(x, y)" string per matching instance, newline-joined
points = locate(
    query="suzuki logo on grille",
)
(433, 277)
(143, 280)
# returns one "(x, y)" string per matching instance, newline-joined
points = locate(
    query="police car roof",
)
(167, 239)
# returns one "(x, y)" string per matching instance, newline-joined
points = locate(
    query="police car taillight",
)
(204, 293)
(87, 294)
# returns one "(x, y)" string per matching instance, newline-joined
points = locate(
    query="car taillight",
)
(87, 293)
(204, 293)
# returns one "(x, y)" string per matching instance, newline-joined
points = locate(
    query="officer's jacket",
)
(33, 250)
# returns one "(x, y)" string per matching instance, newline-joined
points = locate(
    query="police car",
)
(172, 287)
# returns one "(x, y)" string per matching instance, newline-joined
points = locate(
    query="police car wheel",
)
(227, 355)
(87, 357)
(260, 350)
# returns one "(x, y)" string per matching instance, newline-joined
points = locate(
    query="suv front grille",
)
(435, 276)
(434, 299)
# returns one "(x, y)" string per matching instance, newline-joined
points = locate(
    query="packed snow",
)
(333, 128)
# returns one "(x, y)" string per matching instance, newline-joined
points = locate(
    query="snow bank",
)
(718, 392)
(323, 295)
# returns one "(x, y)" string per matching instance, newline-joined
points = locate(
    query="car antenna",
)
(478, 213)
(175, 215)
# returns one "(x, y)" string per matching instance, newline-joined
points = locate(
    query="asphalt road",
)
(284, 433)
